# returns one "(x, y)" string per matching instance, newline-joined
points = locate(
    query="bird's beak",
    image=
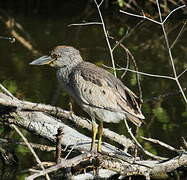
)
(42, 60)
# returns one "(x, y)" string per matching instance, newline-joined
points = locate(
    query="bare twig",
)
(180, 7)
(165, 95)
(143, 73)
(63, 163)
(162, 24)
(128, 59)
(161, 144)
(59, 137)
(184, 142)
(122, 166)
(178, 35)
(100, 3)
(128, 33)
(104, 30)
(140, 16)
(71, 150)
(31, 149)
(136, 68)
(6, 91)
(40, 147)
(181, 73)
(12, 40)
(169, 51)
(85, 24)
(140, 146)
(106, 36)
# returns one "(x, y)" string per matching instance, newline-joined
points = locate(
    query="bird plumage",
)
(98, 92)
(96, 89)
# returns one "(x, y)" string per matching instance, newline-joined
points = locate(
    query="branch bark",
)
(154, 169)
(24, 106)
(14, 111)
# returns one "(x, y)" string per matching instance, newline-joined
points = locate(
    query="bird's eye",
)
(55, 56)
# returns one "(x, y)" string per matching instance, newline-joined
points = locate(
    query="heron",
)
(98, 92)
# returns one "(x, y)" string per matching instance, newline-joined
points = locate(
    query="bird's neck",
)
(64, 72)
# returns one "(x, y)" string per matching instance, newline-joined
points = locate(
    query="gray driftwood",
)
(26, 115)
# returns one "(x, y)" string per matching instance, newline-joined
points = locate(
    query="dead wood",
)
(24, 106)
(25, 114)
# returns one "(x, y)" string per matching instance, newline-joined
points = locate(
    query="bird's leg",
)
(71, 106)
(94, 133)
(100, 133)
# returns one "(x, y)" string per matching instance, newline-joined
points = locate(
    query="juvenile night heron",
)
(103, 96)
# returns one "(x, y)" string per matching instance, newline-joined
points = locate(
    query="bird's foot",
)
(93, 149)
(99, 149)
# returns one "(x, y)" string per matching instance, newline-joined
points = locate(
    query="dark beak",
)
(42, 60)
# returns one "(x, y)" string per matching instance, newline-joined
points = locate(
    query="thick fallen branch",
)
(60, 113)
(47, 126)
(18, 112)
(148, 168)
(40, 147)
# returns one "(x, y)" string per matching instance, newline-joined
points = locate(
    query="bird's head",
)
(60, 56)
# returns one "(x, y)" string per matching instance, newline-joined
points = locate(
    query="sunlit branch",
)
(180, 7)
(178, 35)
(106, 36)
(104, 30)
(128, 33)
(170, 53)
(12, 40)
(143, 73)
(22, 136)
(162, 22)
(140, 146)
(100, 3)
(182, 73)
(140, 16)
(127, 64)
(31, 149)
(136, 68)
(6, 91)
(85, 24)
(155, 141)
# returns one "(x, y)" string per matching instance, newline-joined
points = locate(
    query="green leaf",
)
(10, 85)
(121, 3)
(161, 114)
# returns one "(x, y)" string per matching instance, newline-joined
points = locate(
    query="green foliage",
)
(161, 114)
(133, 80)
(169, 127)
(121, 31)
(10, 85)
(121, 3)
(150, 148)
(22, 177)
(184, 114)
(23, 150)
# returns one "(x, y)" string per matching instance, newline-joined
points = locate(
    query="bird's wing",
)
(99, 88)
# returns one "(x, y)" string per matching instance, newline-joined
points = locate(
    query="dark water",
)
(166, 117)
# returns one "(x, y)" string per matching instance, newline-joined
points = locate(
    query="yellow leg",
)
(100, 133)
(94, 133)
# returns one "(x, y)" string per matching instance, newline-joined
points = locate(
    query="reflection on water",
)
(165, 116)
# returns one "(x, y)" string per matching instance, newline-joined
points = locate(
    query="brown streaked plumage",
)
(97, 91)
